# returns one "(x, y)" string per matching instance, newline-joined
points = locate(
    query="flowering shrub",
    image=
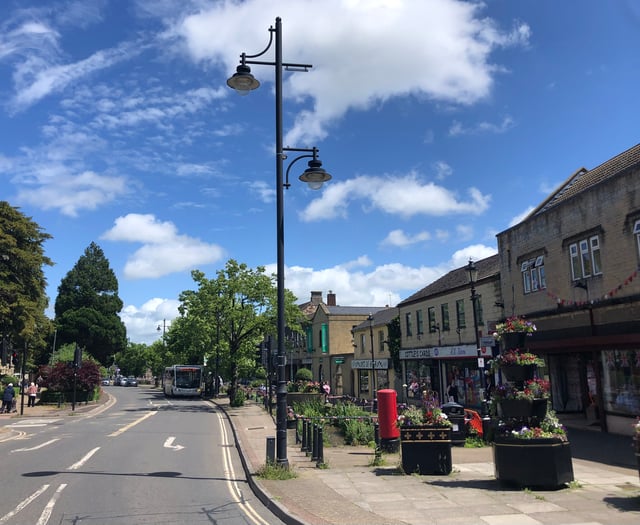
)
(536, 389)
(515, 357)
(550, 427)
(304, 386)
(430, 415)
(515, 324)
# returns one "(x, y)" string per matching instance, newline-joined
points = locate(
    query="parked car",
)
(106, 381)
(131, 381)
(120, 381)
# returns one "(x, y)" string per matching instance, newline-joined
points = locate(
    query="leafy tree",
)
(394, 338)
(23, 299)
(88, 305)
(59, 377)
(228, 316)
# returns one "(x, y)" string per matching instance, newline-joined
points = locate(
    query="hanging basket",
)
(511, 340)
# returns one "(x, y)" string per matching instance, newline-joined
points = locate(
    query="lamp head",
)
(315, 176)
(242, 80)
(473, 271)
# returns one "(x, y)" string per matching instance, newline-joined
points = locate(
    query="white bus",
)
(182, 380)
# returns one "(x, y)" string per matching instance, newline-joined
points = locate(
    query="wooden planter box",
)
(426, 450)
(304, 397)
(544, 462)
(512, 340)
(522, 408)
(518, 373)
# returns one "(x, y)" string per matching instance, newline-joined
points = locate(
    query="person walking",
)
(7, 398)
(32, 390)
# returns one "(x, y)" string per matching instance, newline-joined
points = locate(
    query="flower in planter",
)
(535, 389)
(515, 357)
(430, 415)
(515, 324)
(550, 427)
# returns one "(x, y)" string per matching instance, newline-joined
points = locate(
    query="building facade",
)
(446, 340)
(572, 267)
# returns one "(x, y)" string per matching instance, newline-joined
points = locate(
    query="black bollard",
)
(320, 458)
(314, 446)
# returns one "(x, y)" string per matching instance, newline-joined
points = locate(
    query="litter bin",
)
(455, 413)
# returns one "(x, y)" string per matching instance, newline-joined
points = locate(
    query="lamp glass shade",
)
(473, 272)
(315, 176)
(242, 80)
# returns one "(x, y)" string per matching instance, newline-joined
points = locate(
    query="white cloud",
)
(143, 322)
(482, 128)
(164, 251)
(405, 196)
(356, 67)
(72, 193)
(401, 239)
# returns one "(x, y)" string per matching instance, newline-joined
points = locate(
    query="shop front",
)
(370, 375)
(436, 369)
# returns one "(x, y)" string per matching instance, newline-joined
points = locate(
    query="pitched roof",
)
(381, 317)
(458, 278)
(584, 179)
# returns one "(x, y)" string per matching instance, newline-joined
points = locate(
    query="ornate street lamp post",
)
(244, 82)
(473, 278)
(373, 361)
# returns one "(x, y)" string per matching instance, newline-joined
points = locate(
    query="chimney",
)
(316, 298)
(331, 299)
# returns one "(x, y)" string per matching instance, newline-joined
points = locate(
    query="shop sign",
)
(380, 364)
(445, 352)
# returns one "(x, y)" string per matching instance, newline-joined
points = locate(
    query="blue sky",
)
(442, 122)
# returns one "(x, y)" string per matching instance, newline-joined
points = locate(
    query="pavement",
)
(354, 490)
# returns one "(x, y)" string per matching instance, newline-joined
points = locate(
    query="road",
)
(145, 459)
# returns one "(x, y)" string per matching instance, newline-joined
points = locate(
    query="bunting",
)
(614, 291)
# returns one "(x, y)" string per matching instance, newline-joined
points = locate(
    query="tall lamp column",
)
(373, 361)
(243, 81)
(473, 278)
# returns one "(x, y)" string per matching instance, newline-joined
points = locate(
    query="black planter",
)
(512, 340)
(518, 373)
(544, 462)
(522, 408)
(426, 450)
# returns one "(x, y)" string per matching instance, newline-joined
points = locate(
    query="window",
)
(419, 322)
(585, 258)
(363, 342)
(407, 319)
(381, 341)
(431, 313)
(533, 275)
(444, 315)
(324, 338)
(636, 232)
(460, 314)
(479, 313)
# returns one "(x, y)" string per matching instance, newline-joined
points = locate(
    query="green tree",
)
(87, 307)
(228, 316)
(23, 298)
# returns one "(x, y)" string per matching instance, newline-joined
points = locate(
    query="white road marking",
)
(23, 504)
(86, 458)
(132, 424)
(234, 488)
(169, 444)
(48, 509)
(36, 447)
(32, 423)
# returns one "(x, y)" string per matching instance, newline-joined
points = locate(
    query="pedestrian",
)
(23, 385)
(32, 390)
(7, 398)
(327, 390)
(452, 392)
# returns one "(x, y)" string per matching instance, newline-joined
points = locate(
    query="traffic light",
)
(260, 351)
(15, 359)
(77, 357)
